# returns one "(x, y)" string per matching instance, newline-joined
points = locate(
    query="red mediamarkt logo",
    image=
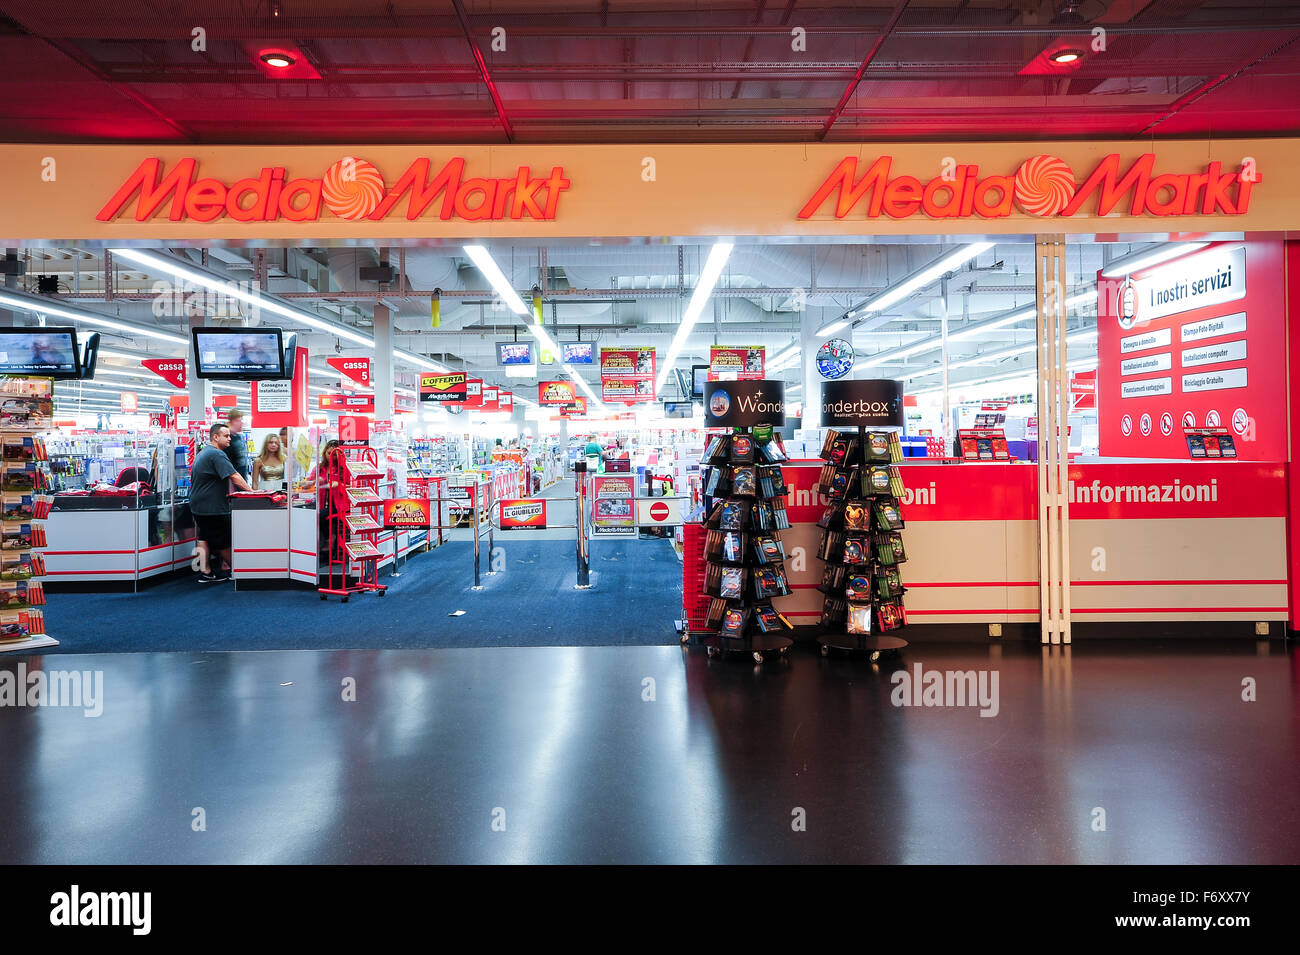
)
(1042, 186)
(350, 189)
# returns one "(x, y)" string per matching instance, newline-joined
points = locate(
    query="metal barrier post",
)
(477, 585)
(580, 495)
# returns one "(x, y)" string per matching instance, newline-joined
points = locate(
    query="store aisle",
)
(586, 768)
(530, 601)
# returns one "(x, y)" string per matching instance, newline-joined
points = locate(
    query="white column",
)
(809, 321)
(200, 389)
(382, 368)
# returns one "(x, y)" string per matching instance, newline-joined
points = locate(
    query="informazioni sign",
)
(744, 404)
(865, 403)
(1043, 186)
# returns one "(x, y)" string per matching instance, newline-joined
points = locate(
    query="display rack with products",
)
(743, 550)
(861, 544)
(352, 477)
(26, 408)
(743, 515)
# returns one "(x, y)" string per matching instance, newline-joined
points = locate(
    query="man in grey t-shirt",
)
(210, 503)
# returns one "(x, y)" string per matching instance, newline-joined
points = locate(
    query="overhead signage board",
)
(864, 403)
(734, 404)
(442, 388)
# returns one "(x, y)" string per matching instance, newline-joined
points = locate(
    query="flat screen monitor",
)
(514, 353)
(46, 352)
(577, 353)
(678, 409)
(239, 354)
(699, 375)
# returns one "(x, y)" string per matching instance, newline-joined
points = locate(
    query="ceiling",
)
(493, 71)
(769, 294)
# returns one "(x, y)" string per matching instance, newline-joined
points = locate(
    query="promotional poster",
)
(627, 374)
(736, 363)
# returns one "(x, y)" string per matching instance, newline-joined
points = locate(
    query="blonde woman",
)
(268, 468)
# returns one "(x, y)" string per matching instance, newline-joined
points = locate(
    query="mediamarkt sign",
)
(1043, 186)
(350, 189)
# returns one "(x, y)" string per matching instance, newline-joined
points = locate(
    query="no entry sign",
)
(660, 511)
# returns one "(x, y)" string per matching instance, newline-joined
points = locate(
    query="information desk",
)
(1193, 540)
(115, 540)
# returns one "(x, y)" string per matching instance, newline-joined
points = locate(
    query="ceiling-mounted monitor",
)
(578, 353)
(239, 354)
(514, 353)
(90, 357)
(699, 375)
(49, 352)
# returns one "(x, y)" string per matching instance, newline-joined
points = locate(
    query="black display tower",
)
(744, 514)
(861, 541)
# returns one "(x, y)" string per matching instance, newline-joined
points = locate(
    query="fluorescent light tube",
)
(709, 276)
(483, 260)
(1151, 255)
(926, 276)
(36, 305)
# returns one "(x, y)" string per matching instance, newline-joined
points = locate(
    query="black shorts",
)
(213, 530)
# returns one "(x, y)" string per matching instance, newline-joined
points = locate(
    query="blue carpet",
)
(530, 602)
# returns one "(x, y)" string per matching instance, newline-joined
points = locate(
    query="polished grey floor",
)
(558, 755)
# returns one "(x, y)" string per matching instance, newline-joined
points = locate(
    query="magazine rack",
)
(744, 514)
(861, 543)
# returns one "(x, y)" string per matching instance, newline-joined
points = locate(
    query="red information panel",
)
(627, 374)
(473, 393)
(1194, 342)
(577, 408)
(281, 404)
(358, 369)
(520, 514)
(172, 370)
(491, 395)
(354, 404)
(738, 363)
(404, 512)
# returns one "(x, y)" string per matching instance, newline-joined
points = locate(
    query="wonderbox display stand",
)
(744, 514)
(354, 471)
(861, 544)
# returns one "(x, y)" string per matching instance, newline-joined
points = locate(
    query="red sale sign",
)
(1194, 340)
(172, 370)
(358, 369)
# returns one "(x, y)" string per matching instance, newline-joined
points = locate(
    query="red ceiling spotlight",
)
(277, 60)
(1059, 57)
(280, 61)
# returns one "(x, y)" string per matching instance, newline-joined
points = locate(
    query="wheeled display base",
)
(755, 644)
(871, 643)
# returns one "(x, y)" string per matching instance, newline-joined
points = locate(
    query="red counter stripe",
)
(1074, 610)
(304, 553)
(52, 573)
(1170, 583)
(975, 583)
(84, 553)
(932, 613)
(259, 550)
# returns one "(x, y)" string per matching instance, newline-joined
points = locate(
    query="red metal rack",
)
(352, 477)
